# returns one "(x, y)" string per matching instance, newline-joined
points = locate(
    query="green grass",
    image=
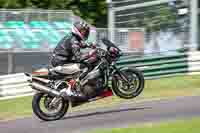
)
(160, 88)
(174, 86)
(181, 126)
(15, 108)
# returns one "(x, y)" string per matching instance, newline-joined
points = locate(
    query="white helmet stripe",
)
(77, 31)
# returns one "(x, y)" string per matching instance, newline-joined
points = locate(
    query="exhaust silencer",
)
(45, 89)
(46, 81)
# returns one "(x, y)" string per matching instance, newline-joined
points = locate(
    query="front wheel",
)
(41, 104)
(130, 89)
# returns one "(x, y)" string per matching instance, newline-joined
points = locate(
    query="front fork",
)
(121, 74)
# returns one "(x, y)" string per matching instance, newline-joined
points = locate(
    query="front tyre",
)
(41, 107)
(128, 90)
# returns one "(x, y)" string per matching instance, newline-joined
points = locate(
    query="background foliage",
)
(94, 11)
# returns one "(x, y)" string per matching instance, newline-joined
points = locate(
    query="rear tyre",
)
(52, 113)
(125, 91)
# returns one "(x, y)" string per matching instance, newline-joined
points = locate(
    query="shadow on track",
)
(105, 112)
(109, 111)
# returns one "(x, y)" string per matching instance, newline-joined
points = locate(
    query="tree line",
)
(93, 11)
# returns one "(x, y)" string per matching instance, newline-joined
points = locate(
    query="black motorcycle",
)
(103, 80)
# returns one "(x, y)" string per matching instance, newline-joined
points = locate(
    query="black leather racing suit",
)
(68, 51)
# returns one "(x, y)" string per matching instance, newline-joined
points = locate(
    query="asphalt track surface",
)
(118, 116)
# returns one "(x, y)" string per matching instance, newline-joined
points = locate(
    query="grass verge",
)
(160, 88)
(180, 126)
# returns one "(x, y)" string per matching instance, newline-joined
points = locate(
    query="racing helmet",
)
(81, 29)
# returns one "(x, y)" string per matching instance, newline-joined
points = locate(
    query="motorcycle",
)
(105, 79)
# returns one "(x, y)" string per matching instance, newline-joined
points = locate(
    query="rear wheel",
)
(126, 90)
(45, 110)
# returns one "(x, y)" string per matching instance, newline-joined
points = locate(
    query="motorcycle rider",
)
(68, 52)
